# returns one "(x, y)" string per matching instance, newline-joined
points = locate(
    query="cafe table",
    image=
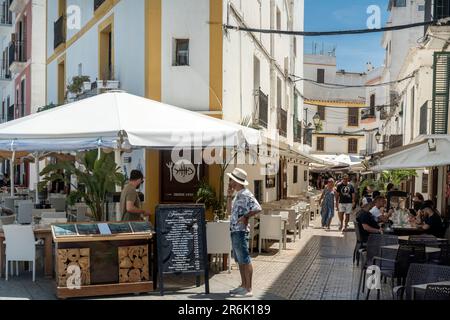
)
(40, 232)
(405, 230)
(407, 238)
(423, 287)
(428, 250)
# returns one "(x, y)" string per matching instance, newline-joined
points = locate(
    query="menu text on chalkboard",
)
(181, 240)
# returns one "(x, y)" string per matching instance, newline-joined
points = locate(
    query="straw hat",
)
(240, 176)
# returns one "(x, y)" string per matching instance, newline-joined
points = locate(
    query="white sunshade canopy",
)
(418, 155)
(98, 121)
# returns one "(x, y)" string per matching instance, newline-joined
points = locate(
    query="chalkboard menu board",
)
(181, 240)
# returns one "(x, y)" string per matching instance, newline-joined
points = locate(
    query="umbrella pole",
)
(118, 160)
(11, 169)
(36, 162)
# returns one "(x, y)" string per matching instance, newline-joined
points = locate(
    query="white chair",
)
(37, 213)
(293, 222)
(82, 209)
(270, 227)
(58, 203)
(25, 213)
(20, 246)
(218, 239)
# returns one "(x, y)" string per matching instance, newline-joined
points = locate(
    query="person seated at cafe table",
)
(130, 203)
(378, 210)
(367, 223)
(432, 222)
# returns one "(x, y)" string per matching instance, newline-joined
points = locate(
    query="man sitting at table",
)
(378, 210)
(366, 222)
(432, 223)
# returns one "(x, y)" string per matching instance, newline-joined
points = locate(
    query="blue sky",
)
(352, 51)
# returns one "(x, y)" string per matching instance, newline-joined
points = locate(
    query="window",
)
(352, 145)
(321, 111)
(295, 174)
(372, 105)
(399, 3)
(320, 144)
(424, 119)
(22, 98)
(279, 93)
(425, 183)
(421, 7)
(181, 52)
(258, 190)
(353, 117)
(321, 75)
(278, 19)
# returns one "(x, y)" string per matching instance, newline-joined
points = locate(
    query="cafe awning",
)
(98, 121)
(424, 152)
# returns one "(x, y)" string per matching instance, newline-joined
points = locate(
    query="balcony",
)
(10, 116)
(97, 4)
(5, 74)
(368, 114)
(17, 57)
(262, 109)
(307, 137)
(282, 122)
(5, 19)
(59, 31)
(18, 6)
(297, 131)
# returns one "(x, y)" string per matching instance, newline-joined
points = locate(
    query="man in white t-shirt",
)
(377, 210)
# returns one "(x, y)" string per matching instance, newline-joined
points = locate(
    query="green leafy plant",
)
(76, 85)
(206, 195)
(396, 177)
(319, 127)
(47, 107)
(99, 176)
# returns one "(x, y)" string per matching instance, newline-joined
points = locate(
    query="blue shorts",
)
(239, 243)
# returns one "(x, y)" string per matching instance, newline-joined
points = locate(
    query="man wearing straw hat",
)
(242, 208)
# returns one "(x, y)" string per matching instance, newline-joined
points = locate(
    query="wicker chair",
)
(437, 293)
(359, 244)
(373, 249)
(398, 268)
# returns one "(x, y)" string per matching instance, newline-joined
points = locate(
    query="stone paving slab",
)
(317, 267)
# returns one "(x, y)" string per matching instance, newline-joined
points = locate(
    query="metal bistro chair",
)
(398, 268)
(437, 293)
(373, 249)
(419, 274)
(360, 245)
(25, 213)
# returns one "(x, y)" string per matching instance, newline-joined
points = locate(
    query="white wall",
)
(186, 86)
(337, 144)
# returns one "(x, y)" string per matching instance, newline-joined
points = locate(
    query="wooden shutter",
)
(320, 144)
(353, 117)
(352, 145)
(441, 92)
(321, 75)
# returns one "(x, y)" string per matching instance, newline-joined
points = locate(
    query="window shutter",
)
(441, 92)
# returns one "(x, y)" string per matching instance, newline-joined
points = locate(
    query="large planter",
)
(86, 86)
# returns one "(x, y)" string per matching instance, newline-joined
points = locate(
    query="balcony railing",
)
(5, 74)
(5, 13)
(282, 122)
(98, 3)
(10, 113)
(262, 108)
(307, 137)
(17, 52)
(297, 131)
(59, 31)
(368, 113)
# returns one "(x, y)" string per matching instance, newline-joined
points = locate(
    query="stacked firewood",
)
(77, 262)
(133, 264)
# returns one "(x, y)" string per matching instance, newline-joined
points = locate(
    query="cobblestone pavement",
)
(317, 267)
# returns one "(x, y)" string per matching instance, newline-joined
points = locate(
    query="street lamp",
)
(316, 120)
(378, 137)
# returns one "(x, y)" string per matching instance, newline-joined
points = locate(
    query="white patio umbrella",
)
(106, 119)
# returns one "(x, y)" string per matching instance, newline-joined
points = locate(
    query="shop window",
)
(181, 52)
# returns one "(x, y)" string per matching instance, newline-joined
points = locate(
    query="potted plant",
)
(78, 85)
(206, 195)
(99, 175)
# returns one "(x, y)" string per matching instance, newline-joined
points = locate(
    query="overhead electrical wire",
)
(337, 33)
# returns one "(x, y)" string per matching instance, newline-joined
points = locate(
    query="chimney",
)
(369, 66)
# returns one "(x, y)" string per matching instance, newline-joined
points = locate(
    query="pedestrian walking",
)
(345, 202)
(327, 204)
